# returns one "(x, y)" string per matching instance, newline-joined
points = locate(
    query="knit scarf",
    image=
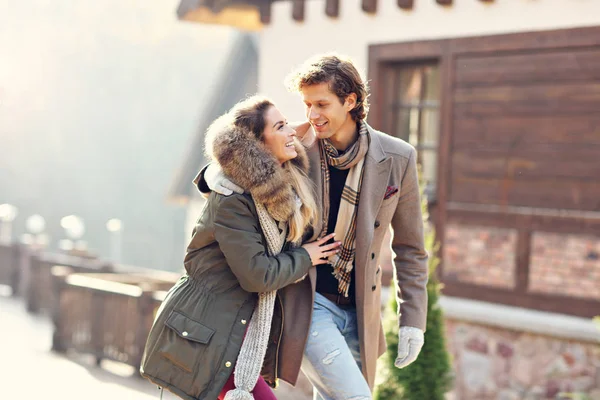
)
(345, 227)
(254, 346)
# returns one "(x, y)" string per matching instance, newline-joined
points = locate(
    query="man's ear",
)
(350, 102)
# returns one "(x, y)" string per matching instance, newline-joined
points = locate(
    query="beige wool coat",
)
(390, 164)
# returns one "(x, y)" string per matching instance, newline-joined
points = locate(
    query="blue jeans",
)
(331, 359)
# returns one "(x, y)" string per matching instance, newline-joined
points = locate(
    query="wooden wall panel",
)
(548, 100)
(572, 195)
(504, 133)
(524, 165)
(528, 68)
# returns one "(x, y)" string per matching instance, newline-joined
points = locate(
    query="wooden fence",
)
(38, 288)
(9, 266)
(107, 315)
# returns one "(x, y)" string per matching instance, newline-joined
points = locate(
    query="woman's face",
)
(278, 136)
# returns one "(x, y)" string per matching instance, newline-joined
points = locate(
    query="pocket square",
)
(390, 191)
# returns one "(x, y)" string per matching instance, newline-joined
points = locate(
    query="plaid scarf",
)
(345, 227)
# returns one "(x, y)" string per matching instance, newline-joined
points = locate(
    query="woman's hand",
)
(319, 251)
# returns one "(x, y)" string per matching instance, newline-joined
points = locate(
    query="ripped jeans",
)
(331, 359)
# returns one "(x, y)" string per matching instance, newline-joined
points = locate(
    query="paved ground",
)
(30, 371)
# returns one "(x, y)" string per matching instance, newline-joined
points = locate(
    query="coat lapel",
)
(376, 176)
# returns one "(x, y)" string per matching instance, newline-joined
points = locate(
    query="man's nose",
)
(312, 114)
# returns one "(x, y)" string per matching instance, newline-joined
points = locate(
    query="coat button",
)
(372, 256)
(243, 322)
(374, 287)
(184, 333)
(228, 364)
(377, 224)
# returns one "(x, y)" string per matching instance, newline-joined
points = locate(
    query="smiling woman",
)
(211, 337)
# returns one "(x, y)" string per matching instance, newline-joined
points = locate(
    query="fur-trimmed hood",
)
(248, 163)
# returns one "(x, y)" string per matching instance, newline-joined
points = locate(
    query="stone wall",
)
(496, 363)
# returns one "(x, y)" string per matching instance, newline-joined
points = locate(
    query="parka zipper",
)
(279, 343)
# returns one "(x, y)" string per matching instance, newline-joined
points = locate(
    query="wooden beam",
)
(369, 6)
(406, 4)
(332, 8)
(444, 2)
(298, 10)
(580, 307)
(264, 7)
(522, 257)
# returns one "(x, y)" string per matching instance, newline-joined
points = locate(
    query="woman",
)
(212, 322)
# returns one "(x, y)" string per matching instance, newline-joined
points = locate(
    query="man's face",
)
(328, 116)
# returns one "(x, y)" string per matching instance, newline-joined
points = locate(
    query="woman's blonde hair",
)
(250, 115)
(304, 216)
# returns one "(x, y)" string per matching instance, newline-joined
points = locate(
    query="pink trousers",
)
(261, 391)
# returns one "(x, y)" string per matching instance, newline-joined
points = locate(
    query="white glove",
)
(218, 182)
(410, 342)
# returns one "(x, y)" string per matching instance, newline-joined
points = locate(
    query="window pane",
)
(410, 85)
(415, 115)
(428, 161)
(432, 84)
(430, 126)
(407, 125)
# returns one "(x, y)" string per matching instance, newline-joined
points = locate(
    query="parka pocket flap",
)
(189, 329)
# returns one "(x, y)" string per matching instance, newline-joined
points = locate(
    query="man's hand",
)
(304, 132)
(218, 182)
(410, 342)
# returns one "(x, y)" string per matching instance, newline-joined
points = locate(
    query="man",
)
(366, 181)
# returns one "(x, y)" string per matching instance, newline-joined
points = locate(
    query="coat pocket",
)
(185, 341)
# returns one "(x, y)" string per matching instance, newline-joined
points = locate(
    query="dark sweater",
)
(326, 282)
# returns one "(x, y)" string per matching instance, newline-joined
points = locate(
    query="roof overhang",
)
(252, 15)
(247, 15)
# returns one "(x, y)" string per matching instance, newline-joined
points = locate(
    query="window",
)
(415, 115)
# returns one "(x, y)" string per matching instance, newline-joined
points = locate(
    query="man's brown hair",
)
(341, 75)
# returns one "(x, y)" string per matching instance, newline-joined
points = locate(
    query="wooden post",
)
(59, 276)
(32, 294)
(15, 272)
(369, 6)
(97, 324)
(406, 4)
(332, 8)
(522, 256)
(264, 7)
(298, 10)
